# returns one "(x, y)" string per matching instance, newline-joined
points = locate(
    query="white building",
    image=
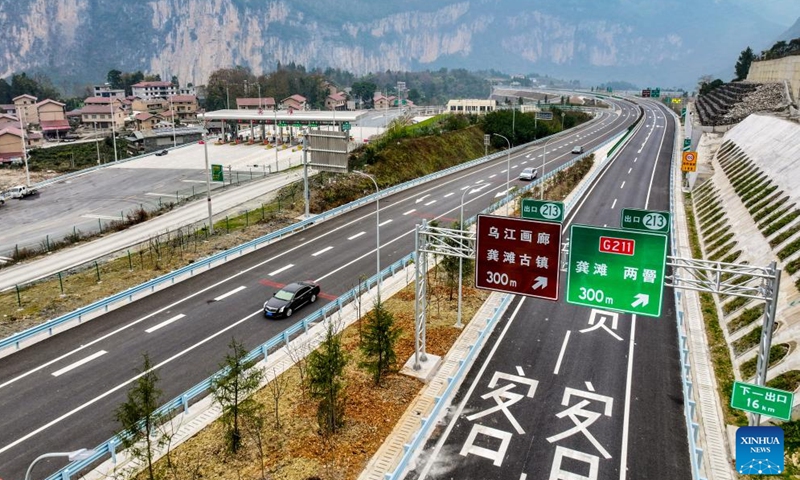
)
(150, 90)
(468, 106)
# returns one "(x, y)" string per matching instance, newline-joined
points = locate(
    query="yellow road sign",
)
(689, 167)
(676, 100)
(689, 157)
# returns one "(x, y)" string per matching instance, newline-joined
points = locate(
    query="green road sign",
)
(216, 173)
(281, 123)
(645, 220)
(687, 144)
(762, 400)
(616, 269)
(683, 111)
(297, 125)
(546, 210)
(313, 124)
(345, 126)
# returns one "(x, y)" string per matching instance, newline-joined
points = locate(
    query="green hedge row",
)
(772, 219)
(710, 221)
(754, 187)
(722, 251)
(776, 354)
(746, 318)
(748, 341)
(783, 236)
(716, 231)
(788, 381)
(707, 201)
(745, 180)
(793, 266)
(773, 206)
(782, 222)
(733, 305)
(763, 201)
(732, 257)
(788, 250)
(719, 243)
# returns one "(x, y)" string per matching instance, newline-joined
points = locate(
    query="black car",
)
(289, 298)
(162, 153)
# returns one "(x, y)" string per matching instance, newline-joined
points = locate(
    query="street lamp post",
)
(461, 259)
(75, 456)
(113, 127)
(208, 186)
(24, 147)
(172, 110)
(377, 230)
(508, 169)
(544, 163)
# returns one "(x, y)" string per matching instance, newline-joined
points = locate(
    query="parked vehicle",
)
(577, 149)
(528, 173)
(2, 199)
(21, 191)
(289, 298)
(162, 153)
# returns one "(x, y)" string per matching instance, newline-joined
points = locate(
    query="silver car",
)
(528, 174)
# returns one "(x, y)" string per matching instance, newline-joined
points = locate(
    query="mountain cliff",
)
(670, 42)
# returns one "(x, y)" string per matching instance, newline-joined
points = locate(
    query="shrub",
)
(746, 318)
(769, 209)
(793, 266)
(774, 218)
(776, 354)
(762, 194)
(788, 250)
(704, 225)
(788, 381)
(722, 251)
(733, 305)
(748, 341)
(719, 242)
(755, 208)
(732, 257)
(714, 231)
(783, 236)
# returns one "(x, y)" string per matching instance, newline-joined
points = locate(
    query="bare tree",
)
(298, 356)
(277, 387)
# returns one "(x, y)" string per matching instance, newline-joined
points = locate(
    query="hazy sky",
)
(782, 12)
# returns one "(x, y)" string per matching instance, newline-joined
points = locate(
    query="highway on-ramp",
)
(60, 394)
(567, 392)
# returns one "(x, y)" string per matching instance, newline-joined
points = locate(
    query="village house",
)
(52, 118)
(295, 102)
(185, 106)
(145, 121)
(25, 106)
(150, 90)
(100, 116)
(336, 101)
(264, 103)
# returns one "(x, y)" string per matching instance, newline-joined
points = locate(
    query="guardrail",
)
(689, 404)
(182, 402)
(105, 305)
(427, 422)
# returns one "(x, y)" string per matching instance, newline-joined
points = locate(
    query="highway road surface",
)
(568, 392)
(60, 394)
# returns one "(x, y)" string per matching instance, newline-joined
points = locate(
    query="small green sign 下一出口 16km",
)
(546, 210)
(762, 400)
(645, 220)
(217, 173)
(616, 269)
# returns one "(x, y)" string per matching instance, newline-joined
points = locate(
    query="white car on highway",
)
(528, 174)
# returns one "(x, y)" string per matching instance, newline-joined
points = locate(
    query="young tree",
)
(277, 387)
(231, 390)
(326, 380)
(138, 416)
(380, 337)
(743, 64)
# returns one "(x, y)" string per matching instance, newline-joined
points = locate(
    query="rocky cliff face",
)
(77, 41)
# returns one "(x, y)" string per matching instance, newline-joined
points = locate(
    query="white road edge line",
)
(79, 363)
(561, 354)
(282, 269)
(364, 233)
(166, 322)
(475, 382)
(124, 384)
(626, 416)
(322, 251)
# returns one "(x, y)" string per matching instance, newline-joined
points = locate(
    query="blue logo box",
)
(759, 450)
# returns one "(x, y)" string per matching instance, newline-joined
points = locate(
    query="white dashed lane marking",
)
(322, 251)
(412, 211)
(362, 233)
(166, 322)
(79, 363)
(282, 269)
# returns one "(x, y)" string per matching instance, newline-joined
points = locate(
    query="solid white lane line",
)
(561, 354)
(460, 409)
(125, 383)
(363, 233)
(282, 269)
(614, 204)
(626, 418)
(390, 220)
(623, 185)
(430, 203)
(407, 213)
(322, 251)
(79, 363)
(167, 322)
(226, 295)
(449, 194)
